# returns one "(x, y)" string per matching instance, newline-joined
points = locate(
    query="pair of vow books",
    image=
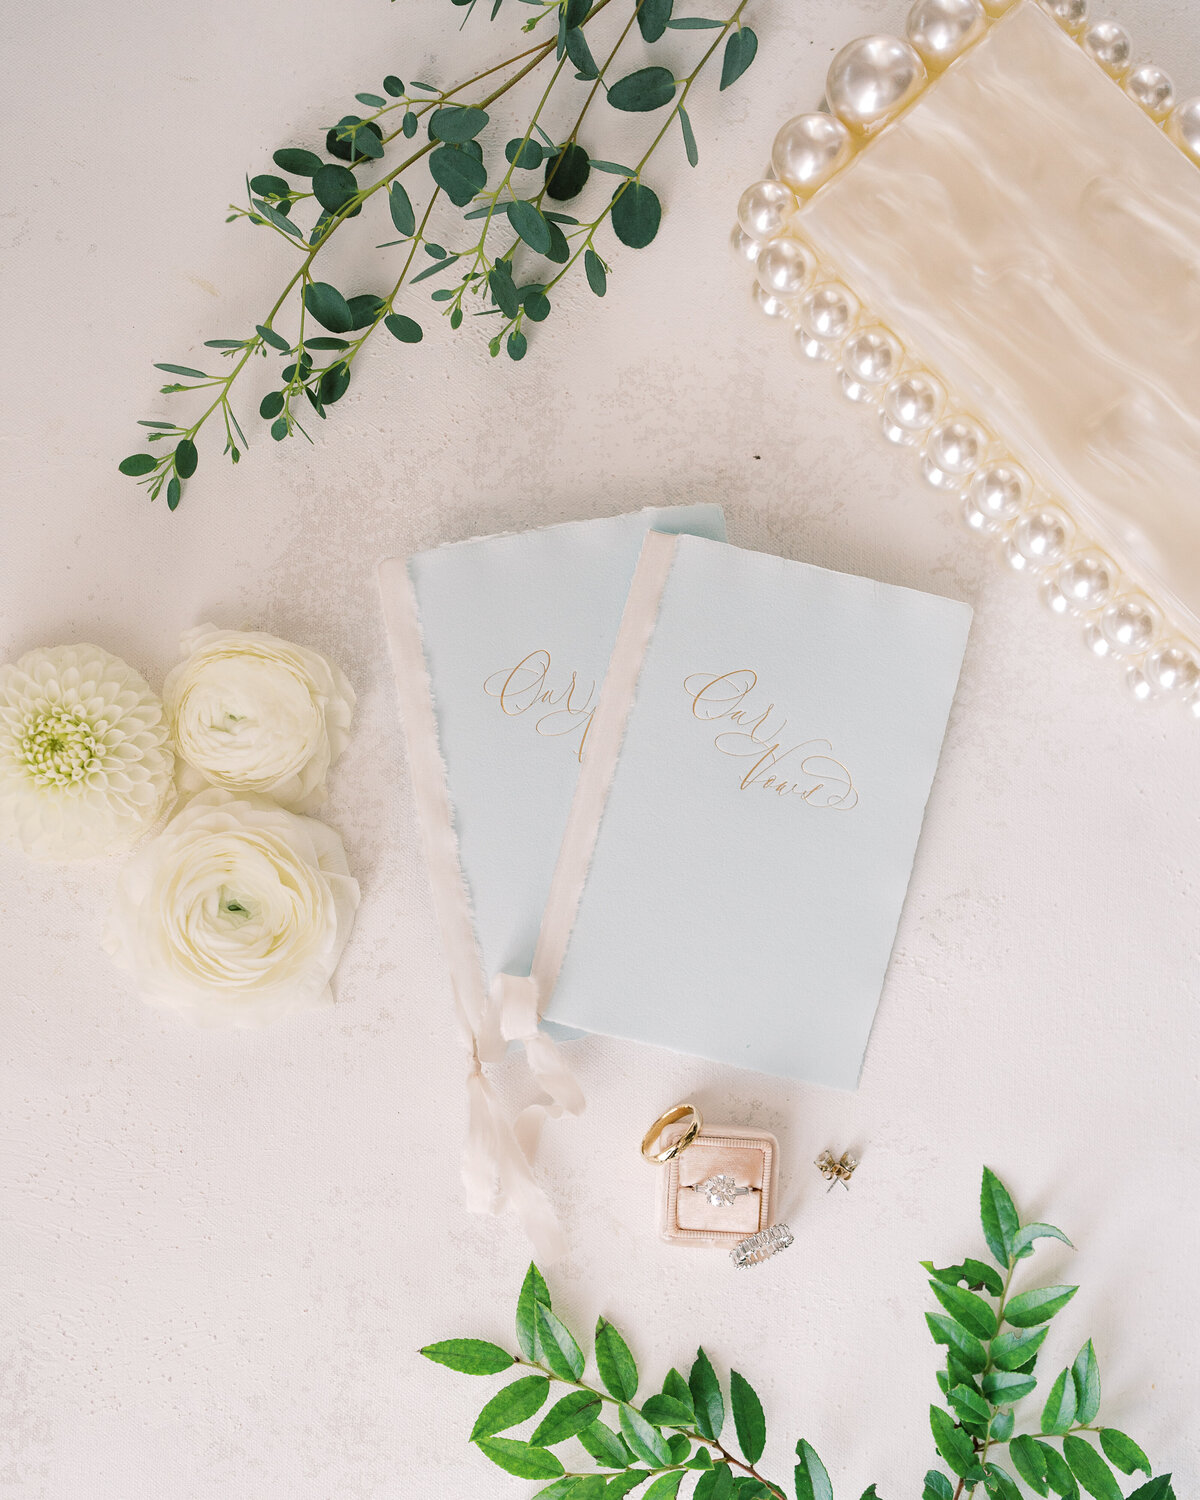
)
(678, 782)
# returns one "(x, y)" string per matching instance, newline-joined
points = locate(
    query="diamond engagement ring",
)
(721, 1190)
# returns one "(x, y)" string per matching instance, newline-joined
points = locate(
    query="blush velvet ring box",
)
(720, 1189)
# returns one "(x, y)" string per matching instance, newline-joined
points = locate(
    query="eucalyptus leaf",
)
(527, 221)
(186, 458)
(636, 214)
(653, 17)
(457, 123)
(693, 23)
(337, 142)
(457, 173)
(183, 370)
(517, 345)
(364, 310)
(393, 86)
(689, 137)
(271, 405)
(409, 332)
(647, 89)
(748, 1418)
(504, 293)
(740, 51)
(174, 493)
(269, 336)
(138, 464)
(524, 154)
(597, 277)
(298, 163)
(567, 173)
(581, 54)
(328, 306)
(334, 186)
(267, 185)
(401, 209)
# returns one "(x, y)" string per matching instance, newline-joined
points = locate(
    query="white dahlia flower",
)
(85, 765)
(236, 914)
(254, 713)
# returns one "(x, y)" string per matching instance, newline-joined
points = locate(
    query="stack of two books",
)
(679, 783)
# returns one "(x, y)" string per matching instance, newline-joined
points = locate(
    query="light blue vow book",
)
(515, 632)
(761, 759)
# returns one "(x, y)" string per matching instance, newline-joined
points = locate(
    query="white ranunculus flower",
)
(237, 913)
(255, 713)
(85, 764)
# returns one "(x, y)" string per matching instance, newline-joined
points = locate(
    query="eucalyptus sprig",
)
(513, 248)
(992, 1333)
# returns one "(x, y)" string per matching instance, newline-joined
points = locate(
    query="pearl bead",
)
(773, 306)
(1171, 668)
(1071, 14)
(1109, 44)
(827, 314)
(1128, 625)
(809, 150)
(871, 79)
(743, 246)
(952, 451)
(765, 208)
(785, 268)
(912, 403)
(1152, 89)
(1038, 540)
(1184, 127)
(941, 29)
(1082, 584)
(996, 494)
(869, 360)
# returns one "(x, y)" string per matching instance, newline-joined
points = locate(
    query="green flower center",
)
(59, 747)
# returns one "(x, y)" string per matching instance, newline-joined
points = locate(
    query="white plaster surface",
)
(219, 1251)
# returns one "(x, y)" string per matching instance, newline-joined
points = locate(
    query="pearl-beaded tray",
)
(994, 236)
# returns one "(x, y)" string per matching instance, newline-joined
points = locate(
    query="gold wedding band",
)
(672, 1117)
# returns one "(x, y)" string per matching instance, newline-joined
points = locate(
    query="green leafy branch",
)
(317, 365)
(992, 1335)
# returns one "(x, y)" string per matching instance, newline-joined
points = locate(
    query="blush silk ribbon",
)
(498, 1158)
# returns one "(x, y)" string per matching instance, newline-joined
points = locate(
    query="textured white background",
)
(219, 1252)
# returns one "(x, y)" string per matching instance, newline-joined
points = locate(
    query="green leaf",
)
(533, 1288)
(517, 345)
(597, 277)
(706, 1397)
(523, 154)
(621, 1484)
(186, 458)
(137, 464)
(645, 1441)
(645, 90)
(512, 1405)
(1037, 1306)
(183, 370)
(701, 1459)
(457, 123)
(653, 17)
(401, 209)
(636, 214)
(271, 405)
(608, 1449)
(298, 163)
(966, 1308)
(999, 1216)
(999, 1484)
(174, 493)
(1025, 1236)
(469, 1356)
(952, 1442)
(617, 1368)
(364, 309)
(812, 1482)
(1085, 1372)
(1122, 1451)
(715, 1484)
(689, 137)
(748, 1417)
(695, 23)
(664, 1411)
(567, 172)
(676, 1387)
(740, 51)
(870, 1493)
(334, 186)
(521, 1459)
(955, 1336)
(937, 1486)
(1058, 1475)
(665, 1487)
(408, 332)
(1090, 1469)
(559, 1349)
(457, 173)
(1003, 1387)
(1059, 1410)
(581, 54)
(527, 221)
(328, 306)
(1158, 1488)
(269, 336)
(975, 1273)
(576, 1410)
(1013, 1351)
(969, 1405)
(1029, 1463)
